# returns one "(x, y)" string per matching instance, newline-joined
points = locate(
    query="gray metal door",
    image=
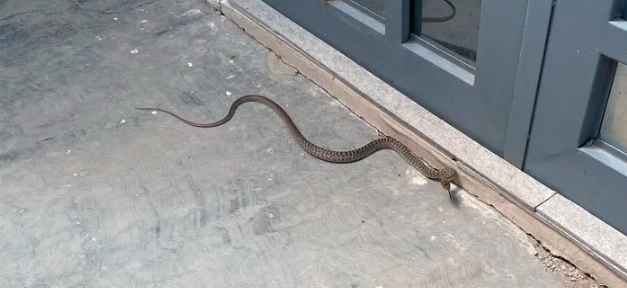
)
(467, 61)
(578, 138)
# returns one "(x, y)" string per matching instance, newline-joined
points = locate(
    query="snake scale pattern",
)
(445, 175)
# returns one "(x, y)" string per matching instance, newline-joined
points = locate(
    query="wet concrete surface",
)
(97, 194)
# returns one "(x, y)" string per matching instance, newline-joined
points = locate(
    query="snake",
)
(444, 175)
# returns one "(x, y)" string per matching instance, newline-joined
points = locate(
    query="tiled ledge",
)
(562, 226)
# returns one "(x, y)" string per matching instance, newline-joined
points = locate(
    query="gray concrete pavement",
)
(97, 194)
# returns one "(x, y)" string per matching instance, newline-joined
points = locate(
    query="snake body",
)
(445, 175)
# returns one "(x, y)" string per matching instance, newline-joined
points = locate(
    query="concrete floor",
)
(97, 194)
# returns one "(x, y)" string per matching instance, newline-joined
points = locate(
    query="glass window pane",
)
(374, 8)
(614, 128)
(451, 24)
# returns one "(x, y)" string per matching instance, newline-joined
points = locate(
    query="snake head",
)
(446, 177)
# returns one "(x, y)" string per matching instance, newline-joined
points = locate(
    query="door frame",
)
(564, 152)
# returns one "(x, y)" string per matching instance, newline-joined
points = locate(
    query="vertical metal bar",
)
(527, 80)
(415, 25)
(397, 21)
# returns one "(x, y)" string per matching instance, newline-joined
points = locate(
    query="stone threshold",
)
(561, 226)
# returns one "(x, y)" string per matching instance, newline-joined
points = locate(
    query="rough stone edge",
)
(559, 210)
(215, 4)
(560, 242)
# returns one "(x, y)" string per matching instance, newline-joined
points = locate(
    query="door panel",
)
(575, 143)
(474, 96)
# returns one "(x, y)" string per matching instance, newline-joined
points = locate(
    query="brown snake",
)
(445, 175)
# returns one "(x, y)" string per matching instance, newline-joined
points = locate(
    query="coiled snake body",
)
(445, 175)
